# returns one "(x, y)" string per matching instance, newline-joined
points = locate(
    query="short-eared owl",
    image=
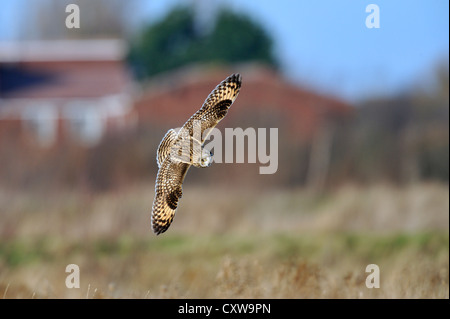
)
(178, 151)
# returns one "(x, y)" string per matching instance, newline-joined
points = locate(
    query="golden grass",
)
(233, 244)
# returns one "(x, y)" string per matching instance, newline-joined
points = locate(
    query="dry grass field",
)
(289, 243)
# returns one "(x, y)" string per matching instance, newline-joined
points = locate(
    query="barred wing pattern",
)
(172, 171)
(215, 107)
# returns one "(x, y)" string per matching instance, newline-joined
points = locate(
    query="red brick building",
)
(54, 91)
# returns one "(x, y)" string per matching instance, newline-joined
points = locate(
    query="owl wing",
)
(165, 147)
(214, 109)
(168, 191)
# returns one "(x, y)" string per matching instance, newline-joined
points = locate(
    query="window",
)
(85, 121)
(40, 121)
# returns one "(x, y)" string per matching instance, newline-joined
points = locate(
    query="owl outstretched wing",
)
(214, 109)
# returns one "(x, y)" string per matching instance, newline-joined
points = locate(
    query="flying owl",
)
(178, 151)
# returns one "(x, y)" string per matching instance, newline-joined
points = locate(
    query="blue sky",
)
(325, 44)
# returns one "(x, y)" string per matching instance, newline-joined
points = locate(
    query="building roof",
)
(62, 69)
(62, 50)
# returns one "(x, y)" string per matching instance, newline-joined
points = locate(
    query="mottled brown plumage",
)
(178, 151)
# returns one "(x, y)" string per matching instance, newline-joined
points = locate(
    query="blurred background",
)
(363, 123)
